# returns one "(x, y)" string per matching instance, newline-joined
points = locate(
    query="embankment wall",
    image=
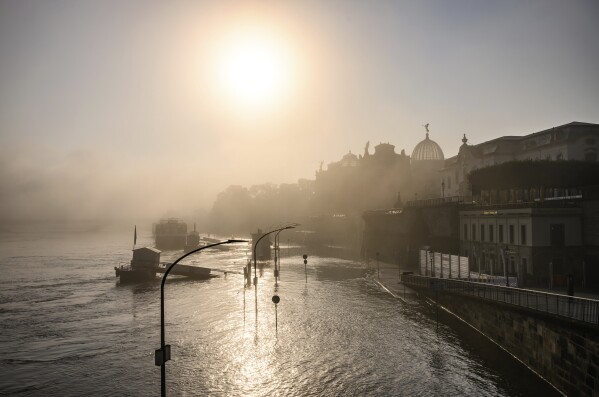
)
(565, 353)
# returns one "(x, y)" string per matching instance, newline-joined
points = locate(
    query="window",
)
(473, 232)
(523, 234)
(465, 231)
(511, 234)
(557, 236)
(482, 232)
(448, 182)
(491, 236)
(500, 233)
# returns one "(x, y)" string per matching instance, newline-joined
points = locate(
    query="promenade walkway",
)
(389, 277)
(583, 307)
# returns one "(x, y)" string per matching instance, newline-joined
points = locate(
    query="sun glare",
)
(255, 70)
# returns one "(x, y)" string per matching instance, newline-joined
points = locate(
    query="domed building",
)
(426, 162)
(427, 150)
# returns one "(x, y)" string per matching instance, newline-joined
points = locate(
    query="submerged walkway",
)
(543, 301)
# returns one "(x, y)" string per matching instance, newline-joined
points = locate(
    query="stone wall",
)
(563, 352)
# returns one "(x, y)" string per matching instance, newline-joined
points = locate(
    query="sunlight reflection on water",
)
(69, 329)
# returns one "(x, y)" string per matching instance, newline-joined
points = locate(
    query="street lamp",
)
(278, 251)
(163, 354)
(261, 237)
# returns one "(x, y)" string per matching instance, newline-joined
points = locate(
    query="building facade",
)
(539, 244)
(573, 141)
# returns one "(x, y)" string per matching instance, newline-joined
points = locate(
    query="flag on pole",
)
(135, 236)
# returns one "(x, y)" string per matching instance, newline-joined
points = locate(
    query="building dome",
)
(427, 150)
(349, 160)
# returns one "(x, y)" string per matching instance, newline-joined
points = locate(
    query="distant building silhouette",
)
(512, 205)
(354, 183)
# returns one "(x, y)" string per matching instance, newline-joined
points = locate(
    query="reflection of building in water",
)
(573, 141)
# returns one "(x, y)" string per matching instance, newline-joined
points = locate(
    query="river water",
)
(68, 328)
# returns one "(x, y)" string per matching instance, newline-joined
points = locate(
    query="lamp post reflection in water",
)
(292, 226)
(163, 354)
(306, 266)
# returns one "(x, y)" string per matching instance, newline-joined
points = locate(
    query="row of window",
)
(490, 237)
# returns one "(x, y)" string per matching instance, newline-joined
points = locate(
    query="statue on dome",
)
(426, 127)
(366, 149)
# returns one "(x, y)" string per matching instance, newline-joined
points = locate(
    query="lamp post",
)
(163, 354)
(276, 271)
(256, 244)
(278, 251)
(277, 255)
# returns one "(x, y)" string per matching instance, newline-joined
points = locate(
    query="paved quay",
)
(387, 275)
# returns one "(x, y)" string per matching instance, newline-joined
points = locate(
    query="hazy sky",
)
(141, 108)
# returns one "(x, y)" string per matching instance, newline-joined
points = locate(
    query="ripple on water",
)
(68, 329)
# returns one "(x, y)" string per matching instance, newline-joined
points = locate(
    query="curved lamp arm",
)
(164, 356)
(292, 226)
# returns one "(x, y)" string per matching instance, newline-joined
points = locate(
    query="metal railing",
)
(439, 201)
(564, 306)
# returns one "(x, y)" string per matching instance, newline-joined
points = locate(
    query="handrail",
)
(563, 306)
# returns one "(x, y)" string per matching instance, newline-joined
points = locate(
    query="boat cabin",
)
(145, 257)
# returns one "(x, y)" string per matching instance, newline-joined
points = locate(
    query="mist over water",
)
(113, 111)
(69, 329)
(116, 115)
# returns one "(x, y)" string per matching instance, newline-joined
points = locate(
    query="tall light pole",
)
(278, 251)
(277, 258)
(163, 354)
(256, 244)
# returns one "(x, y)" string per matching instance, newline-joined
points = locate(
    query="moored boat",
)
(170, 234)
(193, 240)
(143, 267)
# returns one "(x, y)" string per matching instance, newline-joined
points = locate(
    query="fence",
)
(437, 264)
(581, 309)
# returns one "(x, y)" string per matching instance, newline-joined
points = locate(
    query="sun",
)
(255, 70)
